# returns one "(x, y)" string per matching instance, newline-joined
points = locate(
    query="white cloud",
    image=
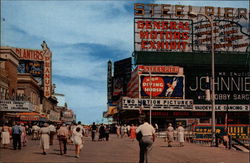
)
(82, 96)
(80, 65)
(73, 22)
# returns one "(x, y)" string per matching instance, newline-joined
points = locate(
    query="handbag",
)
(138, 136)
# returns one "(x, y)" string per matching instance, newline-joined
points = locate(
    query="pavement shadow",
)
(64, 155)
(55, 153)
(69, 156)
(39, 153)
(173, 146)
(69, 149)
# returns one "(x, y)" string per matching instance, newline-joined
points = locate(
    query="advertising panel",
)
(163, 35)
(165, 27)
(127, 103)
(232, 86)
(204, 132)
(156, 104)
(47, 70)
(162, 86)
(29, 54)
(38, 64)
(109, 82)
(35, 68)
(159, 69)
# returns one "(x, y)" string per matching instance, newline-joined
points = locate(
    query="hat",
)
(170, 124)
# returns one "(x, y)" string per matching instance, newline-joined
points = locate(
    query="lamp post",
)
(150, 95)
(192, 14)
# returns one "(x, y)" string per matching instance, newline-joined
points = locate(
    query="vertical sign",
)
(109, 82)
(47, 70)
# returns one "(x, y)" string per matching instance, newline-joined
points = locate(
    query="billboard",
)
(158, 104)
(38, 64)
(35, 68)
(232, 85)
(109, 82)
(165, 27)
(162, 86)
(29, 54)
(162, 34)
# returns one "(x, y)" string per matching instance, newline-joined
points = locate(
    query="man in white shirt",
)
(35, 130)
(146, 142)
(52, 130)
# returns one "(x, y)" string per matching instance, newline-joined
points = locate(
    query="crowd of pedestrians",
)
(75, 133)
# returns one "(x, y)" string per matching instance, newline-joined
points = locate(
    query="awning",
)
(31, 116)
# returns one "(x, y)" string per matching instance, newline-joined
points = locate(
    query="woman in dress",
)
(170, 134)
(77, 140)
(133, 132)
(23, 135)
(44, 134)
(180, 131)
(6, 135)
(118, 130)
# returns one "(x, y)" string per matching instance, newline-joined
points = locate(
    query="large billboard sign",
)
(162, 86)
(176, 105)
(162, 35)
(29, 54)
(38, 64)
(232, 86)
(164, 27)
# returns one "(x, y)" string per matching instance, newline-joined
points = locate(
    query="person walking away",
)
(52, 132)
(62, 135)
(16, 135)
(101, 132)
(123, 130)
(44, 135)
(156, 127)
(35, 132)
(146, 142)
(107, 130)
(71, 130)
(180, 132)
(118, 130)
(82, 130)
(6, 135)
(77, 140)
(132, 132)
(170, 134)
(128, 130)
(23, 135)
(93, 131)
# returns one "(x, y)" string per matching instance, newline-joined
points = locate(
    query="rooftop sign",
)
(164, 28)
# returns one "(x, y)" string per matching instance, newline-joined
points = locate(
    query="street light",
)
(150, 95)
(192, 14)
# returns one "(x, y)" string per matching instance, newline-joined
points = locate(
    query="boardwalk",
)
(124, 150)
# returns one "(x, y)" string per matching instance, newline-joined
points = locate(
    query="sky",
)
(82, 35)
